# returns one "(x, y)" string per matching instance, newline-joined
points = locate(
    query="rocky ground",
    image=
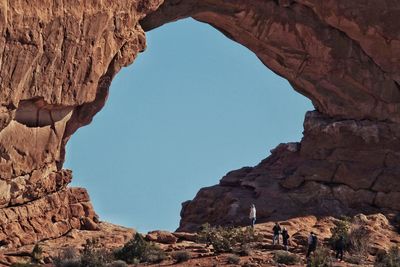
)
(380, 229)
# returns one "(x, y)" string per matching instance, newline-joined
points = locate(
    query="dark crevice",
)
(37, 113)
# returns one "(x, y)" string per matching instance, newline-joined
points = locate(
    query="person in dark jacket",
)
(285, 238)
(312, 243)
(339, 247)
(277, 231)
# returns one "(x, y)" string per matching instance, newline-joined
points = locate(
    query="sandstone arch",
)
(337, 54)
(342, 55)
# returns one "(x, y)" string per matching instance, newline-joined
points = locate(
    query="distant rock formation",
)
(56, 65)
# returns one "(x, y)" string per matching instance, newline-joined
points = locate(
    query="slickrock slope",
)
(381, 236)
(57, 60)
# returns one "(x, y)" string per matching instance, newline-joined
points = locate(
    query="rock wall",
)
(344, 56)
(57, 60)
(339, 168)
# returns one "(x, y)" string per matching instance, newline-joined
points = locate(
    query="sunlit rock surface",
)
(57, 60)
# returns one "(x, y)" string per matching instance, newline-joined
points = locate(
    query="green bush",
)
(389, 259)
(233, 259)
(341, 228)
(225, 239)
(181, 256)
(284, 257)
(320, 258)
(139, 250)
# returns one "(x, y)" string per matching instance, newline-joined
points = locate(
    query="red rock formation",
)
(344, 56)
(327, 50)
(57, 59)
(56, 64)
(340, 167)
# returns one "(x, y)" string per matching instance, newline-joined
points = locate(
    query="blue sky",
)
(192, 107)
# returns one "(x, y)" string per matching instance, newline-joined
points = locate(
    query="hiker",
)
(312, 243)
(285, 238)
(252, 215)
(277, 231)
(339, 247)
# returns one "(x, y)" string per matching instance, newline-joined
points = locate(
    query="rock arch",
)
(342, 55)
(339, 55)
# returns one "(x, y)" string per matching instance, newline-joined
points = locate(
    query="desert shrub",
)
(244, 250)
(154, 254)
(233, 259)
(358, 241)
(320, 258)
(93, 255)
(341, 228)
(225, 239)
(37, 253)
(139, 250)
(117, 263)
(389, 259)
(181, 256)
(67, 258)
(284, 257)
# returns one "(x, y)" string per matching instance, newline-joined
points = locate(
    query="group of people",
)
(312, 238)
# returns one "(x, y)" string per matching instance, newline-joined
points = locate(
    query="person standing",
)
(312, 243)
(252, 215)
(339, 247)
(277, 231)
(285, 238)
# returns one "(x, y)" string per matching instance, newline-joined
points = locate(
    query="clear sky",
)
(192, 107)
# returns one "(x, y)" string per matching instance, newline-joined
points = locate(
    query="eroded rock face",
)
(56, 65)
(340, 167)
(344, 56)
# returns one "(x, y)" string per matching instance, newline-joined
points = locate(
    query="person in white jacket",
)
(252, 215)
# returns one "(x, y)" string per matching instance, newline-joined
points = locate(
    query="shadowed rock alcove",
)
(343, 55)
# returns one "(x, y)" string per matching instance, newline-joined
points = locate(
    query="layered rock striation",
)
(339, 168)
(57, 60)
